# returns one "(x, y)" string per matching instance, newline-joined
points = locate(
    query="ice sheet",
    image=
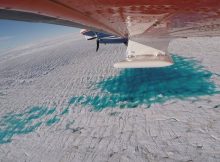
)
(170, 114)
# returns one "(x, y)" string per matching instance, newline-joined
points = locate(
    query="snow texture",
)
(62, 101)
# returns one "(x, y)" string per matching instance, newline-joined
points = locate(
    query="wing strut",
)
(97, 45)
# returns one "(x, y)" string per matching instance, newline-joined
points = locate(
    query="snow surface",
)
(62, 101)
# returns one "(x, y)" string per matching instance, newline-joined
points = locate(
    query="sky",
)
(18, 33)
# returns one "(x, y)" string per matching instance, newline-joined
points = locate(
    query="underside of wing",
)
(140, 21)
(127, 18)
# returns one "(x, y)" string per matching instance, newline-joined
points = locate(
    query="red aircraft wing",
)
(141, 22)
(127, 18)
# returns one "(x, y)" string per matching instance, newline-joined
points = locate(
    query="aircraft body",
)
(140, 24)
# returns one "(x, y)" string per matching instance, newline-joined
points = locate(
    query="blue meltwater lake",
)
(13, 123)
(134, 87)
